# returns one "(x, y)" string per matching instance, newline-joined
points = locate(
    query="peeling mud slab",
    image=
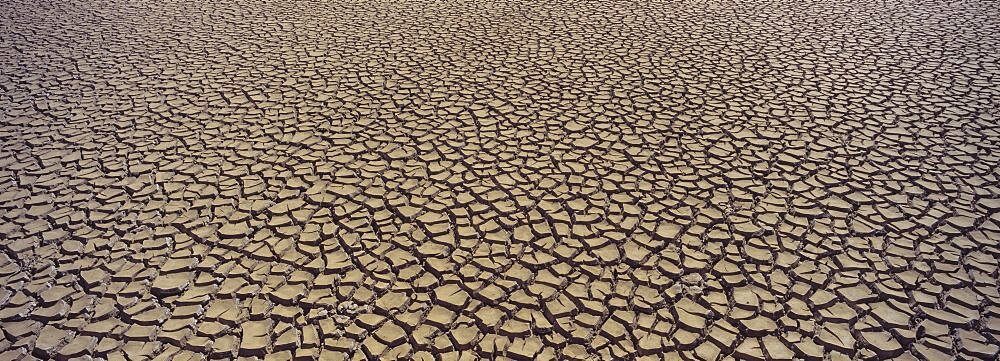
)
(761, 180)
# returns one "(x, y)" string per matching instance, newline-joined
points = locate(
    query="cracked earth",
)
(764, 180)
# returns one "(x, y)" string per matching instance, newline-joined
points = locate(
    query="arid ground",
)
(465, 179)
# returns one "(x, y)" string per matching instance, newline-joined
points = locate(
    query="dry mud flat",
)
(525, 180)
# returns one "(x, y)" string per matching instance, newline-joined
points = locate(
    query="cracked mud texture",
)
(511, 179)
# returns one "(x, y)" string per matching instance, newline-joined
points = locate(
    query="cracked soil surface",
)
(763, 180)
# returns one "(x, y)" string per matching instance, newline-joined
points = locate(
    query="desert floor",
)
(468, 179)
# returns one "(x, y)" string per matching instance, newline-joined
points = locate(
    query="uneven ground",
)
(461, 179)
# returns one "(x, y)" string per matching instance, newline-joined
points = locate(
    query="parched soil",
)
(466, 179)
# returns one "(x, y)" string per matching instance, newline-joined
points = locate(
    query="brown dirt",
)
(499, 179)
